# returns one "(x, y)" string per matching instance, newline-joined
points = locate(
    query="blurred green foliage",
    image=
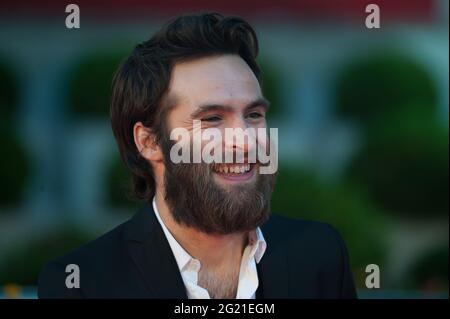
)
(369, 89)
(404, 164)
(15, 166)
(9, 92)
(403, 161)
(90, 83)
(24, 262)
(119, 187)
(300, 194)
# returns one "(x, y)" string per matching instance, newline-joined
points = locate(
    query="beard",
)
(196, 200)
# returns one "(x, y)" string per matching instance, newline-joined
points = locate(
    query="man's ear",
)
(145, 141)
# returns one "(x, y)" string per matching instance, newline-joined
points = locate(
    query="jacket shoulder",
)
(288, 229)
(317, 249)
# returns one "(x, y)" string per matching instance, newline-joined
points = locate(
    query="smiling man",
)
(206, 229)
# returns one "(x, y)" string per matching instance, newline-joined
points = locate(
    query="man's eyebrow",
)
(261, 102)
(209, 108)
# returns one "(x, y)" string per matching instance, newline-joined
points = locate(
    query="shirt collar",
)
(255, 239)
(261, 245)
(182, 256)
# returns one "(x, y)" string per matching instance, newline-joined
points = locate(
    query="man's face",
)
(222, 92)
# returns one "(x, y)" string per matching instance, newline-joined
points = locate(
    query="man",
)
(206, 230)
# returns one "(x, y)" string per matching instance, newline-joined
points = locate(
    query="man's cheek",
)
(268, 152)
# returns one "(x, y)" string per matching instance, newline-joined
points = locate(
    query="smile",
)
(234, 172)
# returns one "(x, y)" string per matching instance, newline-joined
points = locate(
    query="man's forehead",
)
(214, 80)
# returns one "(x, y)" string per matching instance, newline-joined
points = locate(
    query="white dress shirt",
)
(189, 266)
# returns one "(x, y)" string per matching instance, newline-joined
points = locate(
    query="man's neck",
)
(215, 251)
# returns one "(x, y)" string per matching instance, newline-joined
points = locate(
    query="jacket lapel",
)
(152, 255)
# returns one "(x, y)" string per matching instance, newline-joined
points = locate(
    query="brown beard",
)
(197, 201)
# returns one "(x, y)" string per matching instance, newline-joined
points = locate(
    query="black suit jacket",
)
(303, 259)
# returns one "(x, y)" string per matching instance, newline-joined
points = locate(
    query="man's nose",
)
(238, 135)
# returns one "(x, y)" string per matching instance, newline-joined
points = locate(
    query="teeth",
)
(236, 169)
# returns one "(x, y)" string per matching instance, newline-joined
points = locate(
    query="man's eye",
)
(212, 119)
(255, 115)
